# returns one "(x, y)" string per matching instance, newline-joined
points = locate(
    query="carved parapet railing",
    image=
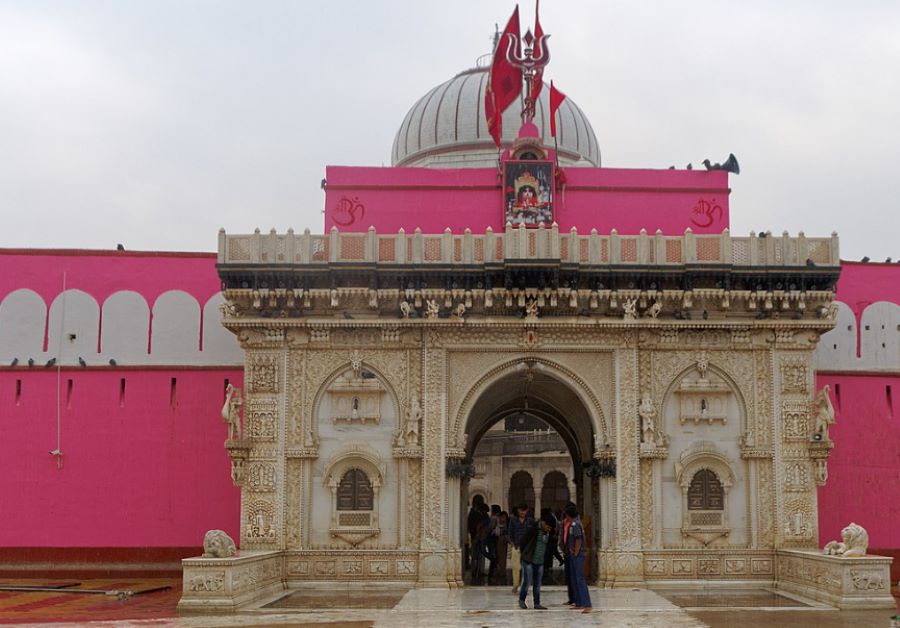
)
(224, 585)
(570, 247)
(847, 583)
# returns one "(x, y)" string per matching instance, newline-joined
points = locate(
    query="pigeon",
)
(671, 167)
(705, 315)
(324, 183)
(887, 261)
(810, 263)
(865, 260)
(730, 165)
(689, 167)
(348, 315)
(81, 361)
(50, 362)
(30, 361)
(14, 362)
(112, 361)
(120, 247)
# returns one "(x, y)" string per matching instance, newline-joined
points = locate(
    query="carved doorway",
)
(529, 435)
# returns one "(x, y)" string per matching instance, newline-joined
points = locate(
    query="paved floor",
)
(479, 607)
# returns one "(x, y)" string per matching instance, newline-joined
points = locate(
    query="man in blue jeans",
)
(534, 547)
(577, 552)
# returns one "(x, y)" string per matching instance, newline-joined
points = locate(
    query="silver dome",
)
(446, 128)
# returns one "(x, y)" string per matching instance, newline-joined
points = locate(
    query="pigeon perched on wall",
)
(81, 361)
(50, 363)
(730, 165)
(14, 362)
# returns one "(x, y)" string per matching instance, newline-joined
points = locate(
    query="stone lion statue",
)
(855, 542)
(217, 544)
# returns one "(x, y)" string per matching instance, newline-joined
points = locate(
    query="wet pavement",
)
(495, 607)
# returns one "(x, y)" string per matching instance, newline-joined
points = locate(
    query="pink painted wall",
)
(627, 200)
(101, 273)
(864, 468)
(862, 284)
(146, 473)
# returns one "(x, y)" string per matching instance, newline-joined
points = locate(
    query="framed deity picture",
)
(528, 193)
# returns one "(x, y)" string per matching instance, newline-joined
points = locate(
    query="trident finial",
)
(535, 55)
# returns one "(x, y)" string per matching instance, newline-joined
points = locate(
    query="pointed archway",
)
(531, 388)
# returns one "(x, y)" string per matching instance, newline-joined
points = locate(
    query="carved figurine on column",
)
(647, 412)
(823, 414)
(411, 426)
(231, 412)
(630, 307)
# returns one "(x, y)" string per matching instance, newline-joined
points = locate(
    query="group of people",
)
(532, 545)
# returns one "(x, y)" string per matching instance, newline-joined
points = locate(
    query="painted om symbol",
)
(706, 213)
(346, 211)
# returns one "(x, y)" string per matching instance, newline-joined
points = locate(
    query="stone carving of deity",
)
(647, 412)
(231, 411)
(410, 435)
(630, 307)
(823, 413)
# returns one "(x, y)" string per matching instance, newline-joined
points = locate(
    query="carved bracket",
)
(238, 451)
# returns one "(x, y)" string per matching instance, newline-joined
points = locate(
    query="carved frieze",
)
(795, 420)
(262, 419)
(262, 372)
(794, 374)
(261, 477)
(259, 521)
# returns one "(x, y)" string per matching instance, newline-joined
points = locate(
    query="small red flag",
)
(556, 99)
(538, 84)
(505, 82)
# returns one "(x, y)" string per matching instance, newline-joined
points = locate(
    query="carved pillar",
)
(263, 490)
(625, 565)
(436, 556)
(794, 475)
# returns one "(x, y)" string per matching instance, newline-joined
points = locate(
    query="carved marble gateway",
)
(682, 385)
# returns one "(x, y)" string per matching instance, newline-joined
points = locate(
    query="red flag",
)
(505, 82)
(556, 99)
(538, 83)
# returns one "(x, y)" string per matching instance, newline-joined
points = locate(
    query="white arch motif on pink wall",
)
(22, 317)
(175, 329)
(125, 328)
(73, 327)
(220, 346)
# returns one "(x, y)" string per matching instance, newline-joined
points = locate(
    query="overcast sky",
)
(155, 123)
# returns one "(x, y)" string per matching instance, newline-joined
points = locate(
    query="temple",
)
(721, 405)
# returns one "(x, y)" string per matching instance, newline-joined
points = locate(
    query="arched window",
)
(521, 489)
(355, 491)
(555, 491)
(705, 492)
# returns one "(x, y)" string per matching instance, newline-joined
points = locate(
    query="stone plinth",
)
(225, 584)
(846, 583)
